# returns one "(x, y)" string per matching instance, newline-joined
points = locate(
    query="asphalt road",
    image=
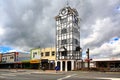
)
(52, 75)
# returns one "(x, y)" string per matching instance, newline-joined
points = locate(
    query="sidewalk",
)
(32, 71)
(12, 70)
(48, 72)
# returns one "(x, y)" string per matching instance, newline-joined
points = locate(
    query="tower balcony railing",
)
(63, 57)
(66, 58)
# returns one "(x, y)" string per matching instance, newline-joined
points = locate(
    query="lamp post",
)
(81, 58)
(88, 62)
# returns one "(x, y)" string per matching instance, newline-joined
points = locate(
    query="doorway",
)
(69, 65)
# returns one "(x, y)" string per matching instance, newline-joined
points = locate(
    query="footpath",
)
(32, 71)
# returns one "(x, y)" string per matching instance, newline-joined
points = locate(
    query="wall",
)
(8, 57)
(35, 53)
(50, 50)
(23, 56)
(0, 57)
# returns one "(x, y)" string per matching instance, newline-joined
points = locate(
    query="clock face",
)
(64, 11)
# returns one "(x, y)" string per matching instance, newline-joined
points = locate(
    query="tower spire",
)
(67, 3)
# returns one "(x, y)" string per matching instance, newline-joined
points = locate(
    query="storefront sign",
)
(34, 61)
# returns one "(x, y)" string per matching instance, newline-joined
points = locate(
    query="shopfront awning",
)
(34, 61)
(25, 61)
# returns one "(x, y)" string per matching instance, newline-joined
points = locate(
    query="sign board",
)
(34, 61)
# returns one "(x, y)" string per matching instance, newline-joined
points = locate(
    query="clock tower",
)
(68, 53)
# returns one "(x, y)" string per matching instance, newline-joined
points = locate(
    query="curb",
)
(49, 73)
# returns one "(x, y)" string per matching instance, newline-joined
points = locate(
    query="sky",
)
(27, 24)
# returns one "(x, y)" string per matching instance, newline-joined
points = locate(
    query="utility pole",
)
(88, 60)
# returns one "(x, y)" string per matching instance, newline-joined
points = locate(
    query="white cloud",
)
(12, 51)
(99, 30)
(27, 16)
(107, 50)
(26, 24)
(2, 31)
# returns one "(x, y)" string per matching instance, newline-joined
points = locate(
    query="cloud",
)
(103, 30)
(2, 31)
(107, 50)
(30, 23)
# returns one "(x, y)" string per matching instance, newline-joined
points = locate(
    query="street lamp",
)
(81, 57)
(88, 61)
(78, 56)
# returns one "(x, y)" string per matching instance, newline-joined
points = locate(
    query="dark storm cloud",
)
(99, 10)
(27, 26)
(30, 23)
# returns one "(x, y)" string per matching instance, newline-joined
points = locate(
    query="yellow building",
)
(43, 58)
(48, 53)
(48, 57)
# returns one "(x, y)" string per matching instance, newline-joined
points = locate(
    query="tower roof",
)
(69, 11)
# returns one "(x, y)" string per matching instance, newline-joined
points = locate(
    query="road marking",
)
(99, 78)
(8, 74)
(111, 78)
(21, 73)
(2, 77)
(66, 77)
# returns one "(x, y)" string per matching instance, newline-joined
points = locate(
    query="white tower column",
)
(72, 65)
(55, 63)
(61, 65)
(66, 66)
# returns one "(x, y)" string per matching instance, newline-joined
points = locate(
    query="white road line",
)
(2, 77)
(8, 74)
(99, 78)
(110, 78)
(21, 73)
(66, 77)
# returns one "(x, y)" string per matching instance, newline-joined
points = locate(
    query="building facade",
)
(35, 58)
(108, 64)
(0, 58)
(13, 59)
(43, 57)
(10, 57)
(35, 53)
(48, 58)
(68, 39)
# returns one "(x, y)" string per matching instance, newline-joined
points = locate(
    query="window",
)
(47, 54)
(76, 41)
(34, 53)
(63, 31)
(64, 20)
(11, 57)
(58, 32)
(53, 53)
(75, 30)
(64, 41)
(41, 54)
(75, 20)
(64, 53)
